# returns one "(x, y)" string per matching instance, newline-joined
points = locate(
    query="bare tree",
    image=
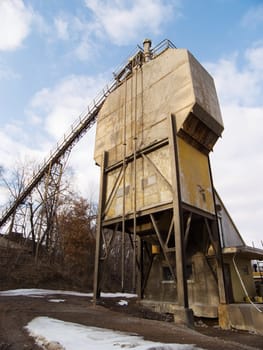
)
(77, 232)
(34, 219)
(14, 181)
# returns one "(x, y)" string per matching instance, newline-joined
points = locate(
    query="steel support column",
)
(182, 295)
(96, 289)
(220, 264)
(139, 275)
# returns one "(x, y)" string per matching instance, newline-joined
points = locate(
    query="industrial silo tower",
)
(153, 139)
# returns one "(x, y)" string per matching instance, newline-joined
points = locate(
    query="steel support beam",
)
(158, 234)
(182, 295)
(220, 264)
(187, 230)
(96, 287)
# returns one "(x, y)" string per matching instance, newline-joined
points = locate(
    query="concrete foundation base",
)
(241, 316)
(202, 310)
(182, 315)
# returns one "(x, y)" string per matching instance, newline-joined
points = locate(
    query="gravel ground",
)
(16, 312)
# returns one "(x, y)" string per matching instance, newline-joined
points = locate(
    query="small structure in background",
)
(154, 135)
(258, 278)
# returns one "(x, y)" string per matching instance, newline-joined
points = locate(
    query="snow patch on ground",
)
(40, 292)
(59, 335)
(43, 292)
(123, 303)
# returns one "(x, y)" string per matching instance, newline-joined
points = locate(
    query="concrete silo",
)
(153, 139)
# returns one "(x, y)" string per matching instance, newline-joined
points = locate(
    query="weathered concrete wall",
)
(241, 316)
(173, 83)
(202, 288)
(245, 270)
(157, 288)
(135, 116)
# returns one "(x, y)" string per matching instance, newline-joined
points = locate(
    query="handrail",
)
(78, 128)
(162, 46)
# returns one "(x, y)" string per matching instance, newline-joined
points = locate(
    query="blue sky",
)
(55, 56)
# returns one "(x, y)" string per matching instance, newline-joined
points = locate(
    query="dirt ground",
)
(16, 312)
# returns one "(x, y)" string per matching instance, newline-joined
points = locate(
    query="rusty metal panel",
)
(153, 184)
(196, 187)
(230, 236)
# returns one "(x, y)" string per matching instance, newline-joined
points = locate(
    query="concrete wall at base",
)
(245, 270)
(241, 316)
(157, 288)
(202, 287)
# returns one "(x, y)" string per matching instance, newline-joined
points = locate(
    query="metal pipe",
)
(243, 285)
(147, 49)
(134, 183)
(188, 225)
(124, 192)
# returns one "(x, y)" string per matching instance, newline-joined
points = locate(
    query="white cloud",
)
(239, 86)
(84, 49)
(14, 152)
(58, 108)
(121, 22)
(54, 110)
(237, 159)
(124, 21)
(6, 73)
(16, 20)
(61, 26)
(253, 17)
(86, 174)
(51, 113)
(14, 146)
(254, 56)
(78, 34)
(35, 119)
